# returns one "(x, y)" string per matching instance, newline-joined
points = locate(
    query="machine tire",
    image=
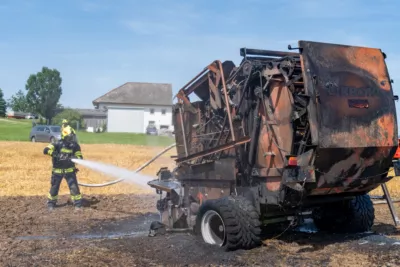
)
(353, 216)
(33, 139)
(52, 140)
(240, 219)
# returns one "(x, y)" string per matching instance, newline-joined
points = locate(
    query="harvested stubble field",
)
(25, 171)
(32, 236)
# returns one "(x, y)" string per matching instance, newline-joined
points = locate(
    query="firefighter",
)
(62, 152)
(65, 124)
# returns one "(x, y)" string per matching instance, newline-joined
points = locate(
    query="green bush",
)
(72, 116)
(3, 105)
(42, 121)
(104, 127)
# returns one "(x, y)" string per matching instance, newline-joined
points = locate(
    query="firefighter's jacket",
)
(62, 153)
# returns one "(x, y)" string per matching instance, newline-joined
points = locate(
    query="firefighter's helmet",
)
(68, 134)
(64, 121)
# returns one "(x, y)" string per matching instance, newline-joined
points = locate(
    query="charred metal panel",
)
(356, 128)
(201, 192)
(223, 169)
(276, 134)
(180, 146)
(184, 130)
(299, 174)
(209, 180)
(270, 190)
(352, 96)
(350, 167)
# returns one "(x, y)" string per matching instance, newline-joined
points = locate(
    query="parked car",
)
(31, 116)
(45, 133)
(165, 132)
(151, 130)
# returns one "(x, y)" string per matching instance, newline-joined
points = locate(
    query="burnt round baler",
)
(281, 134)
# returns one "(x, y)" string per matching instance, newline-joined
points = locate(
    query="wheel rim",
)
(213, 228)
(33, 139)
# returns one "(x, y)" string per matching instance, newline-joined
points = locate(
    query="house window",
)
(152, 111)
(163, 111)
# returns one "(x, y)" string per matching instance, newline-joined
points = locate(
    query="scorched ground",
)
(30, 236)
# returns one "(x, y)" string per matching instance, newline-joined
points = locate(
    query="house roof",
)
(92, 112)
(138, 93)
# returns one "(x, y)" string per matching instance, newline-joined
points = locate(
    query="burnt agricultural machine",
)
(280, 135)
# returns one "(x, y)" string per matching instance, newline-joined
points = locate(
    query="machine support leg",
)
(386, 195)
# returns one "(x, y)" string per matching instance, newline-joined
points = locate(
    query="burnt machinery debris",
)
(281, 135)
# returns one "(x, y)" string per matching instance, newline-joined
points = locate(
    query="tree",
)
(44, 92)
(3, 104)
(71, 115)
(18, 102)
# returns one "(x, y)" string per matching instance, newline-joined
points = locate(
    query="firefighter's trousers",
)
(70, 177)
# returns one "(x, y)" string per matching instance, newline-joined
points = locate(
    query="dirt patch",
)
(112, 228)
(112, 231)
(29, 215)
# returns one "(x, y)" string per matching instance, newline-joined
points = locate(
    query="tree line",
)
(42, 94)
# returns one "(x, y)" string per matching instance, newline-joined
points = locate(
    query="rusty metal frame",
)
(392, 209)
(183, 129)
(230, 145)
(215, 68)
(217, 86)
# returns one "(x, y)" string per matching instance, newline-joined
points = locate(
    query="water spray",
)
(116, 171)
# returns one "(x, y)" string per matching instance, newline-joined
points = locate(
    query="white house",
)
(133, 106)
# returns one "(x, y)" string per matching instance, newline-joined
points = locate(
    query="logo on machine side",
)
(348, 91)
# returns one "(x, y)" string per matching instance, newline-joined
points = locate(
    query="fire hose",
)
(136, 171)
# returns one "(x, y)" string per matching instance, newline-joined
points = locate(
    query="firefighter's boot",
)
(51, 202)
(77, 199)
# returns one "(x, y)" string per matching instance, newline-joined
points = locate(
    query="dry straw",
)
(25, 171)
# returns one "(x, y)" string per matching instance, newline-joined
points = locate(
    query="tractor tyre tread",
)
(355, 216)
(241, 219)
(363, 214)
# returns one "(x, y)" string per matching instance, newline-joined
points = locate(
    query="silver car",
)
(45, 133)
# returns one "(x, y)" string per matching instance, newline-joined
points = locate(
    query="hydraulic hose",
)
(136, 171)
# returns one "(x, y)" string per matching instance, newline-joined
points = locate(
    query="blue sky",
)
(98, 45)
